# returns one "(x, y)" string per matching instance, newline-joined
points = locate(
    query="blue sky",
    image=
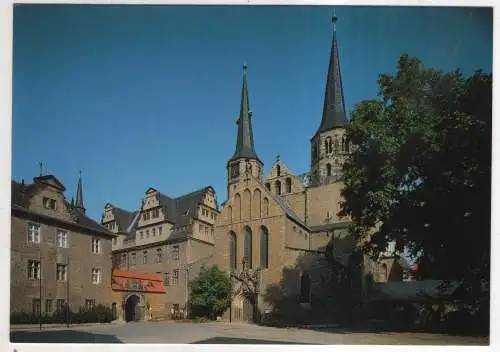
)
(148, 96)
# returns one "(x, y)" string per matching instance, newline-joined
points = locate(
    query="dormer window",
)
(49, 203)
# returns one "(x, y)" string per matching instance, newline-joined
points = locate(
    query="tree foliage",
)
(420, 175)
(210, 292)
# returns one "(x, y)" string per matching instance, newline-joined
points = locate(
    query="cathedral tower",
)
(329, 147)
(244, 162)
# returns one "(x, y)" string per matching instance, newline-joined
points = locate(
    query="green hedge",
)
(97, 314)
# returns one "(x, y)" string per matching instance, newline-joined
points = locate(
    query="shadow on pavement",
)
(238, 341)
(61, 336)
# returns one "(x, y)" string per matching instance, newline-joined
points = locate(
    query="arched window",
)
(305, 288)
(268, 186)
(232, 251)
(278, 170)
(248, 247)
(264, 248)
(326, 146)
(288, 185)
(328, 170)
(343, 144)
(230, 213)
(237, 207)
(277, 187)
(265, 210)
(347, 145)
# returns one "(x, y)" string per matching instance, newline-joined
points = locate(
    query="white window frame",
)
(34, 236)
(61, 272)
(96, 246)
(33, 269)
(96, 276)
(60, 235)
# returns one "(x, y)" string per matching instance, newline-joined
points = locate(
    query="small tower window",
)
(336, 145)
(288, 185)
(278, 170)
(328, 170)
(277, 187)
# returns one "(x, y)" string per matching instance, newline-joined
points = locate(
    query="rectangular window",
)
(115, 241)
(37, 307)
(145, 257)
(123, 262)
(61, 272)
(96, 276)
(158, 255)
(201, 228)
(49, 203)
(175, 277)
(142, 235)
(159, 230)
(175, 254)
(60, 305)
(133, 260)
(33, 233)
(62, 239)
(33, 269)
(206, 230)
(212, 231)
(89, 304)
(147, 233)
(166, 279)
(154, 232)
(96, 245)
(144, 217)
(49, 306)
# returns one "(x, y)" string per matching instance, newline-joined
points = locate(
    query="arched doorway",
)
(247, 311)
(132, 309)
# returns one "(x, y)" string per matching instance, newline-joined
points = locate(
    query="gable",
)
(52, 181)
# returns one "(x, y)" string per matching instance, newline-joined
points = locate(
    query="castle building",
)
(59, 256)
(159, 248)
(282, 226)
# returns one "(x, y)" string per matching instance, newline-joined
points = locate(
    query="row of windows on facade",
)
(34, 272)
(60, 305)
(62, 238)
(206, 212)
(247, 248)
(277, 186)
(158, 256)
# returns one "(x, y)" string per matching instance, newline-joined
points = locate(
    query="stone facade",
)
(56, 246)
(173, 237)
(282, 232)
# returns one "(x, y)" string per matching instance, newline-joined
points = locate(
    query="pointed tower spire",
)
(79, 195)
(244, 141)
(334, 106)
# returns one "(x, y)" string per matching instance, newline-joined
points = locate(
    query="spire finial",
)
(245, 67)
(277, 157)
(79, 194)
(41, 168)
(334, 20)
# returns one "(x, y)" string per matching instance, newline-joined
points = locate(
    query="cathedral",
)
(275, 231)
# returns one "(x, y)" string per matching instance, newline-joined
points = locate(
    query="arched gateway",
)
(133, 310)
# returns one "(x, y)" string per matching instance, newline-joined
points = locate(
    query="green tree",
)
(210, 292)
(420, 175)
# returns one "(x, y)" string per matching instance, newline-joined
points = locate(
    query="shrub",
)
(97, 314)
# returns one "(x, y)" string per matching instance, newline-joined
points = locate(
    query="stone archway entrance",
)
(132, 309)
(114, 312)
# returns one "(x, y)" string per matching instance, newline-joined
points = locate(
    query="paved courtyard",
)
(222, 333)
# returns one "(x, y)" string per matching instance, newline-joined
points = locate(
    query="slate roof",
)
(334, 106)
(20, 199)
(244, 142)
(179, 212)
(333, 226)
